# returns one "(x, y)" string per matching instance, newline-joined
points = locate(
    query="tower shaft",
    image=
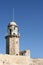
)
(12, 40)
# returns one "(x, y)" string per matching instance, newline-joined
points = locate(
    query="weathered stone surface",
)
(19, 60)
(13, 60)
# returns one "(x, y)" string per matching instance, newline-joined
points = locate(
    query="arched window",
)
(10, 31)
(14, 28)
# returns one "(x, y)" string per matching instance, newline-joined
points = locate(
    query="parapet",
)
(25, 53)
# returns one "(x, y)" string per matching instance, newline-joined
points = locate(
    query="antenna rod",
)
(13, 14)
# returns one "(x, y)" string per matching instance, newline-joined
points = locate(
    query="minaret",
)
(12, 39)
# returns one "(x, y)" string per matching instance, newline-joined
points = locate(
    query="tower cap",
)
(12, 23)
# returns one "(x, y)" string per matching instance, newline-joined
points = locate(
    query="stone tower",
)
(12, 39)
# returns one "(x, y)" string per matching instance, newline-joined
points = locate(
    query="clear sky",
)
(28, 14)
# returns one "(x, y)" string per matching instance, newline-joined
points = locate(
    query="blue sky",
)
(28, 14)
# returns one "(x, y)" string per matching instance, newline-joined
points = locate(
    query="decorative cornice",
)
(12, 36)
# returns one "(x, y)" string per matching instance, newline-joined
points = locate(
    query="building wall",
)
(19, 60)
(13, 60)
(12, 45)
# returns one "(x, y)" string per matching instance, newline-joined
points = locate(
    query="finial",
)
(13, 14)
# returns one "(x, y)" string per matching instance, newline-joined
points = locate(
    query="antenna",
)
(13, 14)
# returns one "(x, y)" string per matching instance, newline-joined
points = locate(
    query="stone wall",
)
(12, 45)
(13, 60)
(36, 61)
(19, 60)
